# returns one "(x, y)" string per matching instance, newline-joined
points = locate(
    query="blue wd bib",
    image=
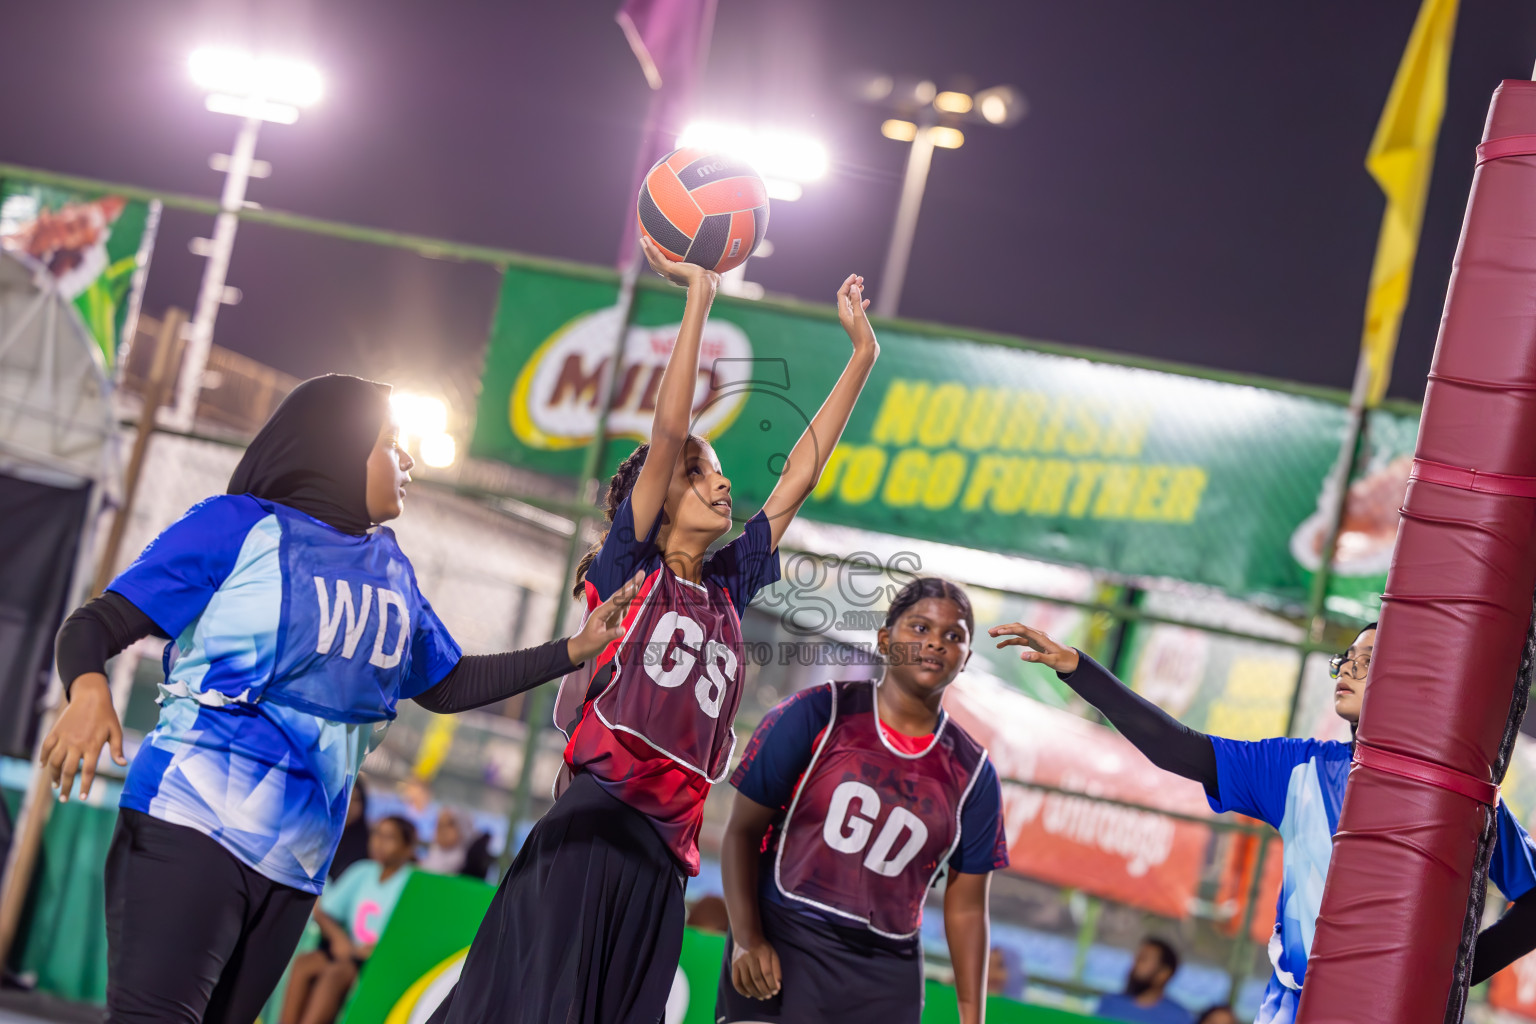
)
(344, 638)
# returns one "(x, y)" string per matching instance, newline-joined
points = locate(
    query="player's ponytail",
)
(930, 586)
(619, 487)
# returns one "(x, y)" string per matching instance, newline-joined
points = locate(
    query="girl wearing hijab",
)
(450, 844)
(297, 628)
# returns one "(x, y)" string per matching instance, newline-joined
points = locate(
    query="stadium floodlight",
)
(945, 137)
(953, 102)
(423, 424)
(786, 160)
(926, 118)
(256, 89)
(1001, 105)
(242, 84)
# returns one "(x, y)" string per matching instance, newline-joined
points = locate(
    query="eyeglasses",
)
(1357, 667)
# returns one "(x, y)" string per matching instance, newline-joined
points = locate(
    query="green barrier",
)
(419, 954)
(66, 933)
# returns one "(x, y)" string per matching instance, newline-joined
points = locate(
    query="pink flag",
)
(670, 39)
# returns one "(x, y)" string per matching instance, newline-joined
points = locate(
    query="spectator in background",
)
(353, 846)
(449, 848)
(1143, 1001)
(1218, 1015)
(708, 914)
(1005, 974)
(352, 914)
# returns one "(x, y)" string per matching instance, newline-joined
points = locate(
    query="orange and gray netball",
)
(705, 207)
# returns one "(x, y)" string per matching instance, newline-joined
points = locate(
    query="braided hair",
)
(619, 488)
(930, 586)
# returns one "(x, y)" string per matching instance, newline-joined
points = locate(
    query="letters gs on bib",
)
(676, 650)
(852, 815)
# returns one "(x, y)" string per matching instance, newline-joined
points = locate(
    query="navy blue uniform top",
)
(780, 751)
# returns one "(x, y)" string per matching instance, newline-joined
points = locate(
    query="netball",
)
(704, 207)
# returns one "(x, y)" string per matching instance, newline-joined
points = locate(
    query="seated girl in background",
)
(352, 914)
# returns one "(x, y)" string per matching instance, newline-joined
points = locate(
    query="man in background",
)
(1143, 1001)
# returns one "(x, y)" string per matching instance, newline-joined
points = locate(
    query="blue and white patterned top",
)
(1297, 786)
(293, 641)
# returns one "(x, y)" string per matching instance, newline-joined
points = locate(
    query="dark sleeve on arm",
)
(1167, 742)
(1505, 941)
(97, 630)
(481, 679)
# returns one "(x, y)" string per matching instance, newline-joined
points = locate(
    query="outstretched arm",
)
(1166, 742)
(1506, 940)
(674, 398)
(968, 927)
(481, 679)
(810, 454)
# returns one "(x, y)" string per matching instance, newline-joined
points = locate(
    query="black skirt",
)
(831, 975)
(586, 927)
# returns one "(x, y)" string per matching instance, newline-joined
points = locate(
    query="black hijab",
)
(312, 454)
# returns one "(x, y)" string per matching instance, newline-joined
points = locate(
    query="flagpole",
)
(662, 104)
(1337, 493)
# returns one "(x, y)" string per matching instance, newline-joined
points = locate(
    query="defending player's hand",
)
(75, 741)
(685, 274)
(851, 305)
(755, 970)
(1038, 647)
(605, 624)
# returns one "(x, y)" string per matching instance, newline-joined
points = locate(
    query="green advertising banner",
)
(96, 247)
(993, 446)
(421, 952)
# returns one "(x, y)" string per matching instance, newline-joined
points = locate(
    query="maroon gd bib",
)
(870, 828)
(676, 676)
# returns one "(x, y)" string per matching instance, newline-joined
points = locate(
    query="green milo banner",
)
(96, 247)
(996, 446)
(419, 957)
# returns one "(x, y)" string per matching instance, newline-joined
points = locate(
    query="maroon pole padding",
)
(1404, 879)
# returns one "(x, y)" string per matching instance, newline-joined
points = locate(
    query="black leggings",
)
(192, 933)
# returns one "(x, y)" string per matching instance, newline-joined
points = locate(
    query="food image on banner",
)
(996, 446)
(1368, 532)
(96, 248)
(1139, 857)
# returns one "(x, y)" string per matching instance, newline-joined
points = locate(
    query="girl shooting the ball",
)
(587, 926)
(850, 801)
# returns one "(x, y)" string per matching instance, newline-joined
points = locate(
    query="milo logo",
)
(555, 402)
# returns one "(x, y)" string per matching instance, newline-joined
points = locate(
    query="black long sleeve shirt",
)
(1166, 742)
(107, 624)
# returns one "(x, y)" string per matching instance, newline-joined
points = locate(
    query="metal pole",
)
(211, 295)
(541, 701)
(1344, 471)
(1241, 960)
(167, 344)
(912, 185)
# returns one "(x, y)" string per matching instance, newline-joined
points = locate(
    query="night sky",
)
(1188, 184)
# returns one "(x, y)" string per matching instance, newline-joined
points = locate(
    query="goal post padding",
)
(1447, 687)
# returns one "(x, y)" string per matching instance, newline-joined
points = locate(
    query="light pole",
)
(254, 89)
(928, 119)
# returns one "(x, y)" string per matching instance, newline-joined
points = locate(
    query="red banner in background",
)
(1514, 988)
(1138, 857)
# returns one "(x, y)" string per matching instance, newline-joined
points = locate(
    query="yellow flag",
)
(1401, 157)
